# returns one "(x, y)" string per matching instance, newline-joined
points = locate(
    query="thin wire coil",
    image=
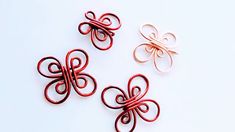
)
(132, 104)
(64, 76)
(156, 47)
(101, 29)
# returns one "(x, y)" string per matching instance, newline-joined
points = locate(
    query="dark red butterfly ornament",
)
(63, 76)
(131, 104)
(101, 29)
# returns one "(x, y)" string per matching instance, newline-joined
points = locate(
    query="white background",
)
(197, 95)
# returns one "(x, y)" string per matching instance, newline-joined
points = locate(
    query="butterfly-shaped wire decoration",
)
(157, 47)
(64, 76)
(132, 104)
(101, 29)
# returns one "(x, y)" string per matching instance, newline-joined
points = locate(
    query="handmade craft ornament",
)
(132, 104)
(64, 76)
(156, 48)
(101, 29)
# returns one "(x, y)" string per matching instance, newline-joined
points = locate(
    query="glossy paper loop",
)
(101, 29)
(156, 48)
(132, 103)
(64, 76)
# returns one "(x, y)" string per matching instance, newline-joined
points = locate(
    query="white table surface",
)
(196, 96)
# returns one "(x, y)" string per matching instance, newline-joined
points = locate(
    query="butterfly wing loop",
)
(60, 82)
(83, 83)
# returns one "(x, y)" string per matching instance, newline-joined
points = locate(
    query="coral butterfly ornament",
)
(101, 29)
(63, 76)
(131, 104)
(157, 48)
